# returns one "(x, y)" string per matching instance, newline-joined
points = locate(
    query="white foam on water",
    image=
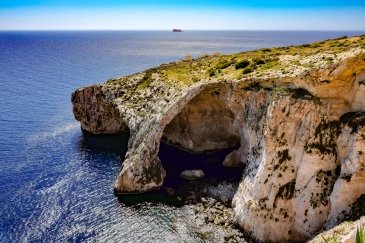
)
(54, 132)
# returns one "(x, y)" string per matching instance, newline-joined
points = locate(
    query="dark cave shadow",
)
(114, 143)
(175, 160)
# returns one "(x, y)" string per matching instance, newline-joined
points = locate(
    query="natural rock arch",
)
(301, 155)
(142, 168)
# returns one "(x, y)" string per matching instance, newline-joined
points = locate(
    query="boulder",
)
(192, 175)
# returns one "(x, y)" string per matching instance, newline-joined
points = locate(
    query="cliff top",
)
(261, 63)
(309, 66)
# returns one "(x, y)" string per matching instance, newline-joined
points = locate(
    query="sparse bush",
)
(247, 70)
(145, 81)
(281, 90)
(242, 64)
(315, 45)
(211, 72)
(258, 61)
(223, 64)
(266, 50)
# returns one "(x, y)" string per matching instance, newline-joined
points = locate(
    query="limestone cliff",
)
(295, 114)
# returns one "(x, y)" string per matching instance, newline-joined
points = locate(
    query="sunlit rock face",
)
(205, 123)
(96, 112)
(299, 130)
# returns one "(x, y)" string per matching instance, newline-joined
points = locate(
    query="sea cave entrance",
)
(200, 137)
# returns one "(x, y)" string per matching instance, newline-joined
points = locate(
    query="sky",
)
(187, 15)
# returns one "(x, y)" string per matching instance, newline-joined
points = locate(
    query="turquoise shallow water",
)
(52, 186)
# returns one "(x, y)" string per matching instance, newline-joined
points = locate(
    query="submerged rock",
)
(192, 175)
(296, 119)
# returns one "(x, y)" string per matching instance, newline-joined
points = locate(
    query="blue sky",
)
(188, 14)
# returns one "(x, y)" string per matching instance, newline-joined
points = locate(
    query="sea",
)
(53, 186)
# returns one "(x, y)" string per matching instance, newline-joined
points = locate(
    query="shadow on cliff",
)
(174, 160)
(176, 190)
(116, 143)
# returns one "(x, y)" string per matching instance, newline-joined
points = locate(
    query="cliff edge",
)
(295, 114)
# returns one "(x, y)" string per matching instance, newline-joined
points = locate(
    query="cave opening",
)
(200, 137)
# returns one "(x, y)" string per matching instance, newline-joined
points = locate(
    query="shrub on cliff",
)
(247, 70)
(211, 72)
(242, 64)
(224, 64)
(258, 61)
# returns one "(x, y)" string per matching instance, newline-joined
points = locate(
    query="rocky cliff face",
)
(296, 116)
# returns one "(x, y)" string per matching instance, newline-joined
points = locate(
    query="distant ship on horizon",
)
(177, 30)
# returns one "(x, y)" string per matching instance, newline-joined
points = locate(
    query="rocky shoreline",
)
(209, 211)
(293, 118)
(210, 203)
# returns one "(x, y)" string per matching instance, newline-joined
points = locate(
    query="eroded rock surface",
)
(296, 120)
(344, 233)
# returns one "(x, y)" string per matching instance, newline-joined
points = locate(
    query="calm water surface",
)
(52, 186)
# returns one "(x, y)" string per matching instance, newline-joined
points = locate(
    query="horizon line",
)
(184, 30)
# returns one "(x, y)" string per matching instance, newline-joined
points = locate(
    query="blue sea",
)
(53, 187)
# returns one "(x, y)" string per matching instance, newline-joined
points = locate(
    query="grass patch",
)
(224, 64)
(190, 70)
(145, 81)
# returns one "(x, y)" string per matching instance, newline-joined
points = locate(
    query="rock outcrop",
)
(295, 117)
(344, 233)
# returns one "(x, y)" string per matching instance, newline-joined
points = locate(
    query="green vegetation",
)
(360, 235)
(281, 91)
(242, 64)
(239, 65)
(224, 64)
(258, 61)
(266, 50)
(247, 70)
(145, 81)
(211, 72)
